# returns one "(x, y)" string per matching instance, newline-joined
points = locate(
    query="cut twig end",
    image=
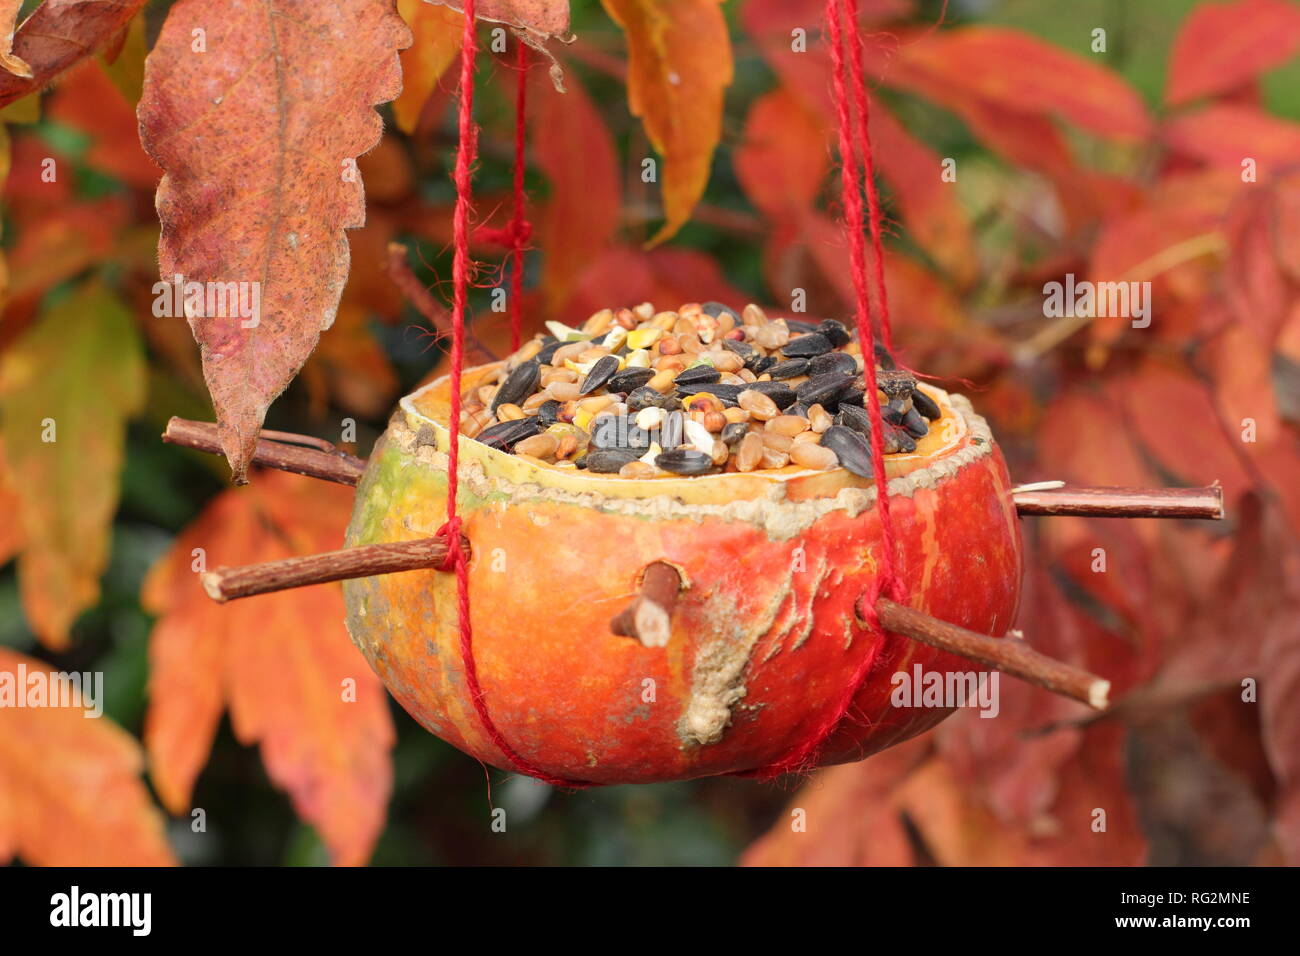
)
(648, 618)
(1099, 695)
(211, 581)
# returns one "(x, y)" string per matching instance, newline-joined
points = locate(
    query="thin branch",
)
(314, 462)
(649, 617)
(229, 584)
(1010, 655)
(1122, 502)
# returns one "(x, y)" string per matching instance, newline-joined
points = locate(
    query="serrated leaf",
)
(280, 662)
(679, 66)
(60, 33)
(258, 138)
(75, 377)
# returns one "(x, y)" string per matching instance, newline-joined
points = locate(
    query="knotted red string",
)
(854, 169)
(518, 231)
(460, 284)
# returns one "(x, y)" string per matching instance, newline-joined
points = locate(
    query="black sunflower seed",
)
(836, 332)
(519, 384)
(629, 379)
(915, 424)
(855, 418)
(883, 358)
(607, 461)
(761, 363)
(647, 397)
(684, 461)
(733, 433)
(850, 448)
(806, 346)
(798, 408)
(790, 368)
(800, 326)
(779, 392)
(892, 413)
(716, 309)
(833, 362)
(822, 390)
(505, 435)
(549, 413)
(729, 395)
(896, 383)
(926, 405)
(600, 373)
(897, 441)
(548, 350)
(697, 375)
(852, 394)
(743, 349)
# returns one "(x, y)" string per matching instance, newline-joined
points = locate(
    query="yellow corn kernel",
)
(643, 338)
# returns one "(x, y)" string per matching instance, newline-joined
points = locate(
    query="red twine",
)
(855, 169)
(518, 231)
(460, 281)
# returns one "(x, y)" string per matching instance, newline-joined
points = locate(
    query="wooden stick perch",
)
(1120, 502)
(1010, 655)
(229, 584)
(649, 617)
(275, 451)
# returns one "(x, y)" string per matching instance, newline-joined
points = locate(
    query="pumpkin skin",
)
(764, 636)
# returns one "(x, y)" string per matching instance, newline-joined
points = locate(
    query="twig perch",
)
(1122, 502)
(275, 451)
(229, 584)
(649, 617)
(1010, 655)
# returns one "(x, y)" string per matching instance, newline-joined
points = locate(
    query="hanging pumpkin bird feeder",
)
(667, 545)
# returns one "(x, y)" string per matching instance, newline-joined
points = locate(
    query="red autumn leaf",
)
(58, 34)
(1227, 135)
(582, 213)
(626, 276)
(927, 204)
(846, 816)
(679, 65)
(1222, 46)
(70, 787)
(437, 31)
(282, 663)
(275, 130)
(1200, 455)
(88, 101)
(1017, 71)
(783, 160)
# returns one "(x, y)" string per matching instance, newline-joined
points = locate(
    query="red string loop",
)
(460, 282)
(450, 530)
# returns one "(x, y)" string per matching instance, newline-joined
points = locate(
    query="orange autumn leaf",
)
(70, 786)
(60, 33)
(282, 663)
(8, 23)
(65, 447)
(533, 21)
(277, 131)
(1018, 71)
(679, 65)
(437, 31)
(1222, 46)
(782, 160)
(10, 531)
